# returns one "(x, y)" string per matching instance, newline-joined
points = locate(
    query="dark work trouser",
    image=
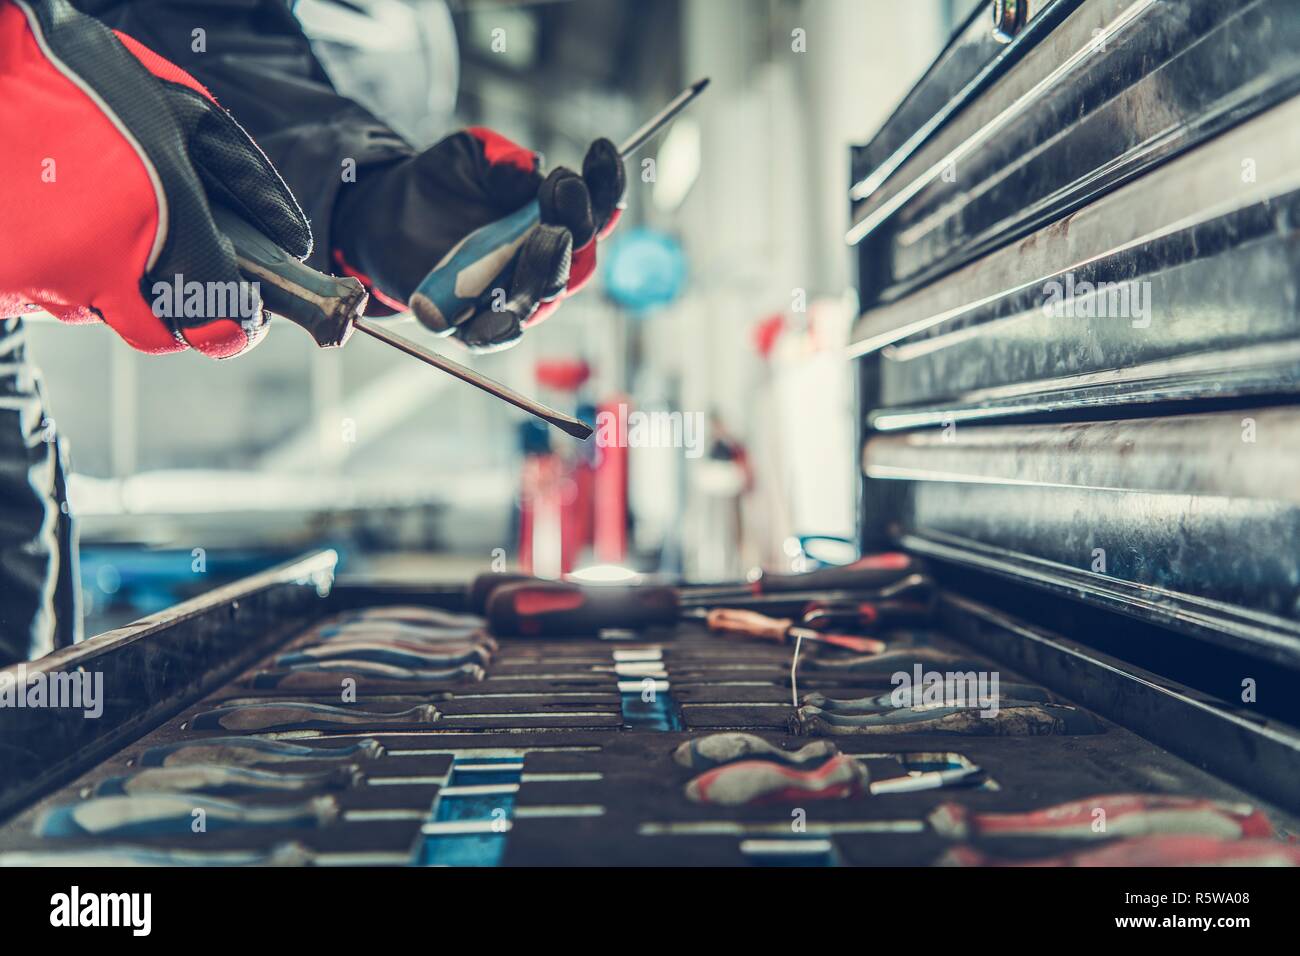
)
(39, 592)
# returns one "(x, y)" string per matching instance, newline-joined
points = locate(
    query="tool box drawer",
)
(1114, 89)
(1068, 348)
(549, 755)
(1180, 285)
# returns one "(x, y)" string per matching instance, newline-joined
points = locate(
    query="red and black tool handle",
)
(552, 608)
(870, 573)
(747, 623)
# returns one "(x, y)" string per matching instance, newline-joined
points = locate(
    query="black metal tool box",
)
(551, 758)
(1077, 359)
(1077, 364)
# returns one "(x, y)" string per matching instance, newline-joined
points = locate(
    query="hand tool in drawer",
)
(555, 608)
(873, 615)
(254, 752)
(1147, 851)
(1108, 816)
(871, 573)
(160, 814)
(914, 697)
(890, 662)
(1009, 719)
(218, 780)
(395, 653)
(419, 615)
(758, 782)
(716, 750)
(297, 715)
(742, 623)
(326, 676)
(401, 631)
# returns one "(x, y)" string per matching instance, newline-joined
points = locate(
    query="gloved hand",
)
(398, 221)
(111, 157)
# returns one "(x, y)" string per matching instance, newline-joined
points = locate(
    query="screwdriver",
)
(449, 293)
(866, 615)
(1012, 719)
(253, 751)
(714, 750)
(217, 780)
(293, 715)
(891, 700)
(867, 573)
(744, 623)
(387, 652)
(331, 307)
(759, 782)
(1126, 815)
(327, 676)
(161, 814)
(535, 608)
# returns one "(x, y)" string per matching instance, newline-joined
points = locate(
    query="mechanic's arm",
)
(113, 157)
(406, 209)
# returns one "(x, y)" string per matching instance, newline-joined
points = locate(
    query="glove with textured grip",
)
(399, 220)
(112, 157)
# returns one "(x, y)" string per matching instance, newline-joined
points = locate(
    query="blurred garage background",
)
(716, 318)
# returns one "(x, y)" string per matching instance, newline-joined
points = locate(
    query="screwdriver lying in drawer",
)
(327, 675)
(258, 752)
(217, 780)
(1009, 719)
(296, 715)
(390, 652)
(751, 624)
(881, 571)
(253, 752)
(539, 608)
(180, 814)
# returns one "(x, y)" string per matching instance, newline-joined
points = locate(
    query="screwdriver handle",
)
(294, 715)
(540, 608)
(327, 677)
(481, 588)
(864, 615)
(748, 623)
(323, 305)
(253, 751)
(173, 813)
(447, 295)
(783, 631)
(218, 780)
(849, 642)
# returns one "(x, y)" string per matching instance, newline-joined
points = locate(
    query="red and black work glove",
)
(112, 155)
(398, 221)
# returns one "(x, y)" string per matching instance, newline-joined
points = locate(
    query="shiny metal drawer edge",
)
(1175, 197)
(1269, 369)
(1201, 454)
(1082, 36)
(946, 89)
(1267, 636)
